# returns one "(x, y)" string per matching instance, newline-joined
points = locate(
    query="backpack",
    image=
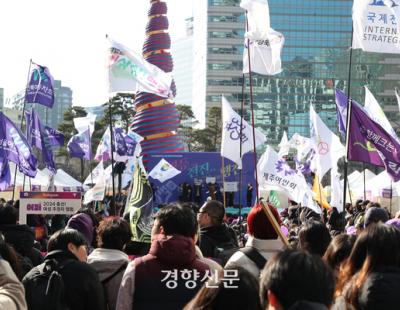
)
(223, 251)
(254, 256)
(45, 290)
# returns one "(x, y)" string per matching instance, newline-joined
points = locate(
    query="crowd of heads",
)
(348, 259)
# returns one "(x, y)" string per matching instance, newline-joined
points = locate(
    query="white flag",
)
(96, 193)
(94, 175)
(275, 174)
(103, 152)
(284, 146)
(83, 123)
(301, 144)
(396, 91)
(128, 71)
(230, 144)
(375, 26)
(264, 42)
(376, 113)
(163, 171)
(336, 190)
(325, 143)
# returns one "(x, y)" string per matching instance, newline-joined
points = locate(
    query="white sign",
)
(231, 186)
(48, 203)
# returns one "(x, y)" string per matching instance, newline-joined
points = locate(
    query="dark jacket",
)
(215, 235)
(381, 290)
(82, 288)
(149, 283)
(22, 238)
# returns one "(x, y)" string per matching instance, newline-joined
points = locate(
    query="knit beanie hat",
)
(84, 224)
(375, 215)
(258, 224)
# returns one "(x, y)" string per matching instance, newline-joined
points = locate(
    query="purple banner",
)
(198, 170)
(5, 175)
(363, 130)
(79, 145)
(41, 87)
(56, 138)
(342, 102)
(120, 144)
(15, 147)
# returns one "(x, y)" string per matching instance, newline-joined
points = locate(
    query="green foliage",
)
(123, 110)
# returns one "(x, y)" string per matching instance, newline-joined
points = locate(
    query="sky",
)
(68, 36)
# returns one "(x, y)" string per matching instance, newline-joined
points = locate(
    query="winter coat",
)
(82, 288)
(22, 238)
(381, 290)
(209, 237)
(110, 266)
(12, 294)
(148, 282)
(267, 248)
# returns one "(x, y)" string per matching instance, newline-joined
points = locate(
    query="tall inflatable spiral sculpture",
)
(157, 118)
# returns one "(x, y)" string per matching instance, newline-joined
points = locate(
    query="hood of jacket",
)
(21, 237)
(220, 234)
(173, 250)
(107, 261)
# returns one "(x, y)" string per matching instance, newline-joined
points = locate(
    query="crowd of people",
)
(201, 258)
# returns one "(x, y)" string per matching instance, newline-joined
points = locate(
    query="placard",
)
(48, 203)
(231, 186)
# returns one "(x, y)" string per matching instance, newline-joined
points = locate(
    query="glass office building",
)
(315, 60)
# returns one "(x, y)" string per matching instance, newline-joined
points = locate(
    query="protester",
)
(84, 224)
(12, 295)
(375, 215)
(8, 253)
(216, 240)
(75, 284)
(370, 279)
(109, 260)
(20, 237)
(263, 242)
(296, 280)
(338, 251)
(160, 279)
(235, 288)
(314, 237)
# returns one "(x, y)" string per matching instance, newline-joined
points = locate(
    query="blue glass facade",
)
(315, 61)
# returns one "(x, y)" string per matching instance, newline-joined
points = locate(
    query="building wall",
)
(315, 61)
(182, 51)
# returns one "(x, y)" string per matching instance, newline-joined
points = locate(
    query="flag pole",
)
(112, 202)
(223, 180)
(252, 112)
(240, 154)
(90, 155)
(391, 195)
(22, 123)
(348, 119)
(363, 167)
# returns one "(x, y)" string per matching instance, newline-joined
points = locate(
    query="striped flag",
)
(139, 207)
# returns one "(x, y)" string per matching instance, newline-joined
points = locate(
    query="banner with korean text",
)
(48, 203)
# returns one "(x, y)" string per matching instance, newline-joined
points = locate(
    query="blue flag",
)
(79, 145)
(15, 147)
(41, 87)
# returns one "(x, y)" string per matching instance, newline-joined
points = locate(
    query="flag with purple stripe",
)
(79, 145)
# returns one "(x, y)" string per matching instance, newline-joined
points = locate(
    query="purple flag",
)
(79, 145)
(41, 87)
(120, 144)
(360, 148)
(15, 147)
(38, 137)
(130, 145)
(5, 175)
(341, 110)
(56, 138)
(363, 130)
